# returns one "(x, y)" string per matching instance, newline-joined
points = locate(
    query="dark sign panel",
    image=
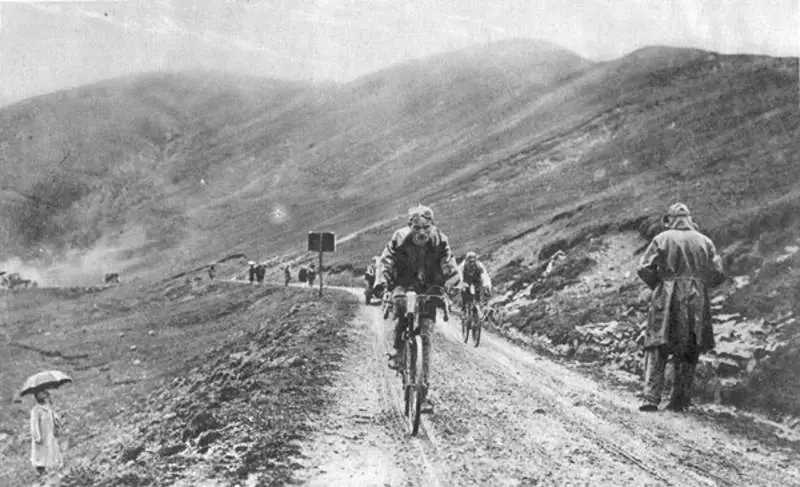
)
(321, 242)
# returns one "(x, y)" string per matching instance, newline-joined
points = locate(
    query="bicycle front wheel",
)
(415, 391)
(408, 376)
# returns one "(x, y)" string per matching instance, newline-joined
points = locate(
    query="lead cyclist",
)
(416, 258)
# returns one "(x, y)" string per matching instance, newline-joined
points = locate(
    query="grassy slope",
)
(147, 360)
(94, 165)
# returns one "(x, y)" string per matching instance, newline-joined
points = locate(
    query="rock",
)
(151, 332)
(133, 348)
(563, 349)
(717, 299)
(587, 352)
(297, 361)
(200, 422)
(727, 367)
(741, 281)
(208, 437)
(131, 453)
(170, 450)
(137, 362)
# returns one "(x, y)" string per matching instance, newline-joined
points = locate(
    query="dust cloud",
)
(81, 267)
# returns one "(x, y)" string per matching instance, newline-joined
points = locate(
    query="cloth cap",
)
(678, 209)
(471, 255)
(420, 211)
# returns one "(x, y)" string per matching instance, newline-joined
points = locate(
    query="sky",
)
(47, 46)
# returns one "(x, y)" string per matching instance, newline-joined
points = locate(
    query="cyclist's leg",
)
(399, 296)
(426, 331)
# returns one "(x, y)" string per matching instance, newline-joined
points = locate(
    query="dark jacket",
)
(414, 267)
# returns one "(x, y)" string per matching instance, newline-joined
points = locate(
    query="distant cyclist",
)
(417, 257)
(474, 273)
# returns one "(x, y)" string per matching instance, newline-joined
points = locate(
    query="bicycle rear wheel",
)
(415, 390)
(476, 333)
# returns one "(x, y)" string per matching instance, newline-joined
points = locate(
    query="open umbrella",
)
(49, 379)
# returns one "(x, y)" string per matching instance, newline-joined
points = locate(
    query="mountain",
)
(499, 138)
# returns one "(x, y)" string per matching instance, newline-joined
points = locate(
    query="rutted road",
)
(505, 416)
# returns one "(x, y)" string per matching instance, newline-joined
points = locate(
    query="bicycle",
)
(419, 307)
(472, 321)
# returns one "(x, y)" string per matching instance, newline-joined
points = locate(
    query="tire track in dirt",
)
(364, 441)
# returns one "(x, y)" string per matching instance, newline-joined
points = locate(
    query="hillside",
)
(115, 166)
(522, 149)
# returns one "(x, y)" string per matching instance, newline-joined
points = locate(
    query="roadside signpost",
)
(321, 242)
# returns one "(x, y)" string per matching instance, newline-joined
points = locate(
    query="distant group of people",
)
(256, 272)
(307, 274)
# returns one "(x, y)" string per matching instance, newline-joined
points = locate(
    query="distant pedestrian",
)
(311, 275)
(45, 430)
(261, 272)
(680, 266)
(212, 270)
(287, 276)
(251, 271)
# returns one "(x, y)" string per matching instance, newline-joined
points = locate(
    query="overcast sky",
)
(45, 46)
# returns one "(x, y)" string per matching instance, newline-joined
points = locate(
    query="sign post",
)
(321, 242)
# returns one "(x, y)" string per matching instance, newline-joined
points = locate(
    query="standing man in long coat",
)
(680, 265)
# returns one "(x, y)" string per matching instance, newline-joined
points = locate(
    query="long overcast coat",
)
(680, 265)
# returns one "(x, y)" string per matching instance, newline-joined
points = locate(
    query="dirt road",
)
(505, 416)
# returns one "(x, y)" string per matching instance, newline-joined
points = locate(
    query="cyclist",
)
(417, 257)
(369, 275)
(474, 272)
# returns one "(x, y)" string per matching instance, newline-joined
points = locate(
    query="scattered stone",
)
(741, 281)
(170, 450)
(208, 437)
(131, 453)
(201, 422)
(133, 348)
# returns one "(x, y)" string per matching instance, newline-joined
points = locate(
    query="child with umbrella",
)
(45, 423)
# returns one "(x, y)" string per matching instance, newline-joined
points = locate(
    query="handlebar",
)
(434, 292)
